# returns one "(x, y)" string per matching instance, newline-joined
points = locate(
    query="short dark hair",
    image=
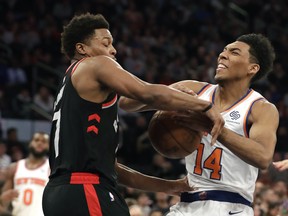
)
(11, 130)
(79, 30)
(261, 52)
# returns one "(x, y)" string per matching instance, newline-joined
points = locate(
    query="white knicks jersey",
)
(216, 167)
(30, 185)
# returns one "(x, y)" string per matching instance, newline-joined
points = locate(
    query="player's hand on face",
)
(218, 123)
(180, 186)
(9, 195)
(281, 165)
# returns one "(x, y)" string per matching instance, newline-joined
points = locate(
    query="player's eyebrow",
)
(232, 49)
(109, 38)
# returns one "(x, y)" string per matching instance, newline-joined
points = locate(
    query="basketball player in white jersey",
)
(27, 178)
(225, 172)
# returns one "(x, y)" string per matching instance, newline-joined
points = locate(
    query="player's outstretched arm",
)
(188, 87)
(137, 180)
(110, 74)
(102, 72)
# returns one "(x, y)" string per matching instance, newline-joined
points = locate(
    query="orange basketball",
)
(171, 139)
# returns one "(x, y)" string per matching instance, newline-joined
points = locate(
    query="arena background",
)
(160, 41)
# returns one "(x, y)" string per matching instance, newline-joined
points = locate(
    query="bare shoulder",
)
(266, 111)
(194, 85)
(96, 67)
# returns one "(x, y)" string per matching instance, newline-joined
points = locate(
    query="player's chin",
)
(218, 78)
(40, 150)
(40, 153)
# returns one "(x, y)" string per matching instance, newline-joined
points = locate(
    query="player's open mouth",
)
(221, 66)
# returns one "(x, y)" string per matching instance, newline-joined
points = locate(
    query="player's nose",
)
(222, 55)
(113, 51)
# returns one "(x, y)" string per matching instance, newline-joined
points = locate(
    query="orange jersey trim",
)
(245, 123)
(203, 89)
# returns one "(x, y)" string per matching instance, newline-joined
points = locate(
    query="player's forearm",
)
(166, 98)
(134, 179)
(131, 105)
(247, 149)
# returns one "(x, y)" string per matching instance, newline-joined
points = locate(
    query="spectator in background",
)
(130, 201)
(1, 110)
(16, 74)
(161, 166)
(44, 99)
(274, 209)
(268, 200)
(156, 212)
(14, 146)
(4, 108)
(161, 202)
(5, 159)
(16, 154)
(135, 210)
(282, 135)
(144, 201)
(280, 188)
(21, 104)
(3, 74)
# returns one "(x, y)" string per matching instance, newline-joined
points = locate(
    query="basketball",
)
(171, 139)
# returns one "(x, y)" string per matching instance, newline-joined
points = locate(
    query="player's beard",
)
(37, 154)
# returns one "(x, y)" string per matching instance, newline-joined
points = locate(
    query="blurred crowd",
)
(160, 41)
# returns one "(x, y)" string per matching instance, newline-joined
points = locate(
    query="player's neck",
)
(77, 57)
(34, 162)
(225, 95)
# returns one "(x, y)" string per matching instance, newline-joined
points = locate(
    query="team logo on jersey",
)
(93, 118)
(111, 196)
(234, 115)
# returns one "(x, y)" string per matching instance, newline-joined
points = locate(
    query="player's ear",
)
(80, 48)
(253, 69)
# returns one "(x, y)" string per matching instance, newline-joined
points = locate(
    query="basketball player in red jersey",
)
(225, 173)
(27, 178)
(84, 134)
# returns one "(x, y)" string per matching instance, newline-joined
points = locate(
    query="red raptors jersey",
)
(84, 135)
